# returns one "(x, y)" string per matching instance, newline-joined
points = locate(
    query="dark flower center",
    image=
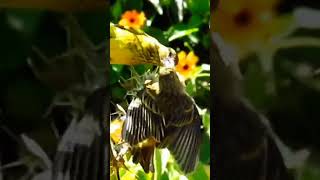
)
(132, 20)
(186, 67)
(243, 18)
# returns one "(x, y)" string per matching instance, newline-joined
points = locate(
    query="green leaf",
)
(199, 173)
(133, 4)
(177, 33)
(141, 69)
(118, 93)
(165, 2)
(25, 21)
(206, 121)
(205, 67)
(115, 73)
(191, 88)
(142, 175)
(116, 10)
(205, 149)
(158, 164)
(194, 39)
(158, 34)
(195, 21)
(179, 4)
(161, 159)
(117, 67)
(206, 41)
(311, 172)
(199, 6)
(164, 176)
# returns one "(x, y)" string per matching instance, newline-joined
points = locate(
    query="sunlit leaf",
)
(179, 4)
(199, 6)
(206, 121)
(161, 159)
(205, 67)
(181, 33)
(199, 173)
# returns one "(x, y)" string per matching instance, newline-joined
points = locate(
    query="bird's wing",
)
(184, 144)
(82, 151)
(142, 123)
(178, 109)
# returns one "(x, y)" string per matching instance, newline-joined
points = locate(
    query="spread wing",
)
(179, 109)
(81, 152)
(142, 123)
(184, 143)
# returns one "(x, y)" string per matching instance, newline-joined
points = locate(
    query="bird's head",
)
(170, 58)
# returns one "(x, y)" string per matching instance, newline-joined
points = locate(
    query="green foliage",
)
(182, 26)
(281, 80)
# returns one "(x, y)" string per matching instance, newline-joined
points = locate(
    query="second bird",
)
(163, 115)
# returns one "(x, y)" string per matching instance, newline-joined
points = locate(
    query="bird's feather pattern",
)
(142, 123)
(170, 117)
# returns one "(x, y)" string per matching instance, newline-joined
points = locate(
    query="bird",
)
(82, 149)
(243, 147)
(163, 115)
(133, 46)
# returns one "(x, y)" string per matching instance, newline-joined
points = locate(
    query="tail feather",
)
(144, 156)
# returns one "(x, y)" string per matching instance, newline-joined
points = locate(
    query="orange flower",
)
(133, 19)
(248, 25)
(187, 64)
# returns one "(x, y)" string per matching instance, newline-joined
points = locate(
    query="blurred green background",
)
(278, 43)
(25, 98)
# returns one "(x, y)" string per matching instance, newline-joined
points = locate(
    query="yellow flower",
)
(187, 64)
(115, 130)
(247, 25)
(133, 19)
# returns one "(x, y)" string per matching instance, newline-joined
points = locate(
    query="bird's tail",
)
(144, 156)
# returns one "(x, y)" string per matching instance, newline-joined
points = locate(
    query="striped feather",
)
(149, 103)
(184, 144)
(141, 124)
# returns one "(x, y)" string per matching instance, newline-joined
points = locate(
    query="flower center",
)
(132, 20)
(243, 18)
(185, 67)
